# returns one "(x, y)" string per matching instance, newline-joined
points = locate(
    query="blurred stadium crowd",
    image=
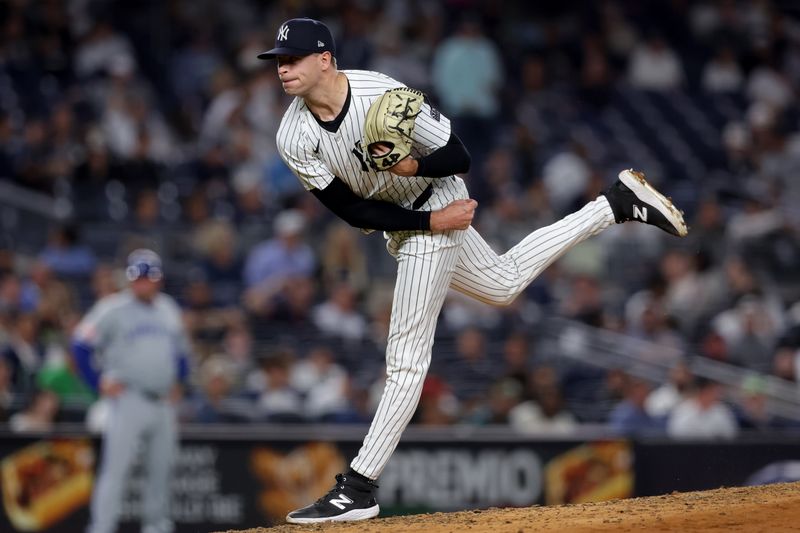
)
(154, 124)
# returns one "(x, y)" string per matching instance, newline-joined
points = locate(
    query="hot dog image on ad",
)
(46, 481)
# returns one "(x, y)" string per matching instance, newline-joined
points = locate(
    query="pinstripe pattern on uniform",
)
(337, 152)
(497, 280)
(428, 263)
(425, 265)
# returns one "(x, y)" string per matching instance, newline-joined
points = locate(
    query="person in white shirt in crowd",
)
(722, 74)
(339, 316)
(655, 66)
(662, 400)
(323, 383)
(704, 415)
(280, 402)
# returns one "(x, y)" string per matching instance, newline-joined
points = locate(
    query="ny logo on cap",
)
(283, 33)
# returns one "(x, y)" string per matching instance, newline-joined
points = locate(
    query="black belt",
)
(152, 396)
(422, 198)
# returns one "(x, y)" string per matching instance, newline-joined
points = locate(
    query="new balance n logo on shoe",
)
(641, 214)
(341, 501)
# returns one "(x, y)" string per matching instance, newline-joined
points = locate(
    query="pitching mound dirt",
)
(765, 508)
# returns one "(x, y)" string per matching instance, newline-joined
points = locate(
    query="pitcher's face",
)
(300, 74)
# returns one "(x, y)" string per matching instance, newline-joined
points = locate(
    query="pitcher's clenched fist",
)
(456, 215)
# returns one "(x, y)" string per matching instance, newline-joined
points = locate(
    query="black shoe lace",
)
(339, 487)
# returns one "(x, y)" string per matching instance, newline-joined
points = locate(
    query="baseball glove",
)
(389, 125)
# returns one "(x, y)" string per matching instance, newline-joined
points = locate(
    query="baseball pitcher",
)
(381, 158)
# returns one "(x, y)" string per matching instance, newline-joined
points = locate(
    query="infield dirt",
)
(764, 508)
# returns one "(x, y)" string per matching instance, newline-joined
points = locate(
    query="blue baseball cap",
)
(301, 37)
(144, 263)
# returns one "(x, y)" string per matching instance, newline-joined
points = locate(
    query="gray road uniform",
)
(144, 346)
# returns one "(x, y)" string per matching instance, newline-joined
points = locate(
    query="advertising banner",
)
(234, 483)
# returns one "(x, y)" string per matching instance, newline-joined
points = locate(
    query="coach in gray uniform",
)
(133, 349)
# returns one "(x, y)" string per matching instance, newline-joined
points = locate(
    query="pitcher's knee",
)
(503, 299)
(407, 371)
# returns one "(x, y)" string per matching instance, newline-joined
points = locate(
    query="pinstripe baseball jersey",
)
(135, 342)
(317, 155)
(429, 263)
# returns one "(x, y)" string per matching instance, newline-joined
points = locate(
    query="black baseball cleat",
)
(632, 198)
(352, 498)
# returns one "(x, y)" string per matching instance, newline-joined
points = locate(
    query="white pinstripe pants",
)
(429, 264)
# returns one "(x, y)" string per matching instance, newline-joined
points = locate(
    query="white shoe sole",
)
(349, 516)
(636, 182)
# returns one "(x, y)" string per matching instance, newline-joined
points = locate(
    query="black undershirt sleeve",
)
(450, 159)
(370, 214)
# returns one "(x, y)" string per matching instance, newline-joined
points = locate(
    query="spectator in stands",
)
(65, 148)
(518, 357)
(7, 144)
(722, 73)
(271, 264)
(203, 317)
(469, 96)
(438, 406)
(654, 66)
(16, 297)
(566, 175)
(39, 416)
(752, 412)
(7, 395)
(703, 415)
(342, 258)
(54, 299)
(595, 73)
(544, 414)
(101, 47)
(30, 160)
(324, 385)
(392, 58)
(216, 401)
(664, 398)
(768, 84)
(292, 306)
(750, 331)
(584, 302)
(65, 255)
(104, 282)
(237, 343)
(629, 417)
(24, 351)
(663, 344)
(686, 293)
(221, 263)
(280, 402)
(473, 370)
(503, 396)
(338, 315)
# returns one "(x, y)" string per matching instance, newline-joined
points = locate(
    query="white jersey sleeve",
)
(296, 149)
(95, 329)
(431, 130)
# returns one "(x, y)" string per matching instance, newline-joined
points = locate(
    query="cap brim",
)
(275, 52)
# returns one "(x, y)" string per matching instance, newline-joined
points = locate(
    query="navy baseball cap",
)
(301, 37)
(144, 263)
